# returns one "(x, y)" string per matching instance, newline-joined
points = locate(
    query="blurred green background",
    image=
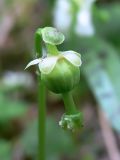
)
(92, 28)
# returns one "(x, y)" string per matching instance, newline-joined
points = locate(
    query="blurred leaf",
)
(110, 29)
(5, 150)
(58, 141)
(101, 68)
(10, 109)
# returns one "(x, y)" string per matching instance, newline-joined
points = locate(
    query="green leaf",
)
(101, 69)
(10, 109)
(58, 142)
(5, 150)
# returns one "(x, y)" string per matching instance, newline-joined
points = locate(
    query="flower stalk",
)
(69, 103)
(41, 119)
(41, 103)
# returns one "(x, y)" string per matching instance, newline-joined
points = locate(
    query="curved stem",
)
(41, 103)
(38, 41)
(69, 103)
(52, 49)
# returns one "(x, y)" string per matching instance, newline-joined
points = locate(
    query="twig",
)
(109, 138)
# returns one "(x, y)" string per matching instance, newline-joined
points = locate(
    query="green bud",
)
(72, 122)
(61, 73)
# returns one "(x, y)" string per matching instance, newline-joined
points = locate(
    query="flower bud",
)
(61, 73)
(72, 122)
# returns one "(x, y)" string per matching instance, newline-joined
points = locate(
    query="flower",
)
(72, 122)
(60, 73)
(17, 79)
(62, 15)
(84, 24)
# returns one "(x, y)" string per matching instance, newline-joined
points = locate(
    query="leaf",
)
(57, 141)
(5, 150)
(101, 69)
(10, 109)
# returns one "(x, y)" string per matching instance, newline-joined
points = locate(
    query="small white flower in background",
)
(62, 16)
(13, 79)
(47, 64)
(84, 24)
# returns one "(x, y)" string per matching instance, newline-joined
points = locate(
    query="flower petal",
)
(73, 57)
(47, 64)
(31, 63)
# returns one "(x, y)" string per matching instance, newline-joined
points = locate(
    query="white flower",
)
(13, 79)
(47, 64)
(84, 24)
(62, 16)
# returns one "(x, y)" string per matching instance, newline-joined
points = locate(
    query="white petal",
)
(73, 57)
(47, 64)
(35, 61)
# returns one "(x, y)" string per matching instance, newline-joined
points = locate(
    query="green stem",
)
(69, 103)
(42, 120)
(41, 103)
(52, 49)
(38, 41)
